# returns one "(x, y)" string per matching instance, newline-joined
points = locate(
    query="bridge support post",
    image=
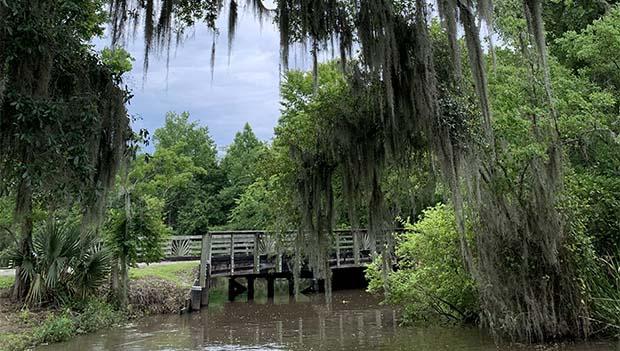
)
(205, 268)
(271, 287)
(279, 263)
(232, 254)
(250, 288)
(338, 249)
(195, 297)
(204, 299)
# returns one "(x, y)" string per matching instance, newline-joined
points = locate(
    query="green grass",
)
(180, 273)
(6, 282)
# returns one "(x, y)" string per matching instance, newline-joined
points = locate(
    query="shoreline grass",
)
(6, 282)
(180, 273)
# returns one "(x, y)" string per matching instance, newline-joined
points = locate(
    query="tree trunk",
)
(124, 277)
(114, 281)
(124, 282)
(23, 215)
(3, 73)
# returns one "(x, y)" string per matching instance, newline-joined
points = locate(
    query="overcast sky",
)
(242, 90)
(246, 90)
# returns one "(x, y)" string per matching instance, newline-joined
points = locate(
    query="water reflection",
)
(355, 321)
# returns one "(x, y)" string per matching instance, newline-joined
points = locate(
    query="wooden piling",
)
(250, 288)
(271, 289)
(205, 268)
(195, 297)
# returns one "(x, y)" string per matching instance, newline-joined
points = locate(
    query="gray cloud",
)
(246, 90)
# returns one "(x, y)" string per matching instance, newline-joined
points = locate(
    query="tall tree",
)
(240, 165)
(184, 173)
(63, 123)
(187, 139)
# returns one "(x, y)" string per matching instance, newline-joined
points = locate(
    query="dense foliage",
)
(431, 281)
(63, 124)
(65, 264)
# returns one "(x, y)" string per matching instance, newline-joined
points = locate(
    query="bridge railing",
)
(348, 246)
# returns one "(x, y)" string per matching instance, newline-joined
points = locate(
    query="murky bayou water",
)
(356, 321)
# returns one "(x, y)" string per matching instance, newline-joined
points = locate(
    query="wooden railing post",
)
(338, 249)
(356, 246)
(205, 267)
(256, 253)
(278, 261)
(232, 254)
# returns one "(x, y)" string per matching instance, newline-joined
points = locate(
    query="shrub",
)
(96, 314)
(55, 329)
(603, 286)
(6, 282)
(431, 282)
(83, 316)
(64, 264)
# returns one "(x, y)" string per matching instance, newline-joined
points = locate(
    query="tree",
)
(65, 263)
(572, 16)
(431, 280)
(63, 124)
(240, 165)
(594, 51)
(188, 139)
(134, 232)
(183, 173)
(399, 97)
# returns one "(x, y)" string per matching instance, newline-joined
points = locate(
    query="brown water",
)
(356, 321)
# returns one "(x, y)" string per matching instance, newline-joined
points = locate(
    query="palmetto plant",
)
(64, 264)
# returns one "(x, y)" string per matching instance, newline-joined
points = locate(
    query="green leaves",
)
(186, 138)
(64, 264)
(241, 165)
(118, 60)
(595, 51)
(431, 281)
(138, 238)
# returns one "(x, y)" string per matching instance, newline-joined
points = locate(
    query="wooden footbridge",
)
(250, 255)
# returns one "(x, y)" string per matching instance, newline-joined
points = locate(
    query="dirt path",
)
(7, 272)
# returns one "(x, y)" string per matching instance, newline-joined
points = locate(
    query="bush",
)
(603, 286)
(6, 282)
(96, 314)
(64, 264)
(431, 282)
(55, 329)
